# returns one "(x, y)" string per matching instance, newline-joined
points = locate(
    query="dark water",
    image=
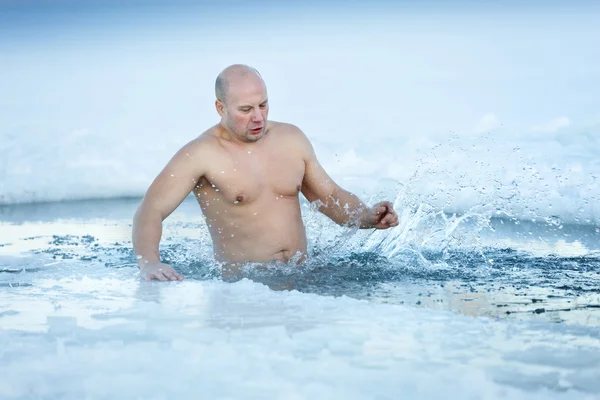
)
(504, 275)
(515, 285)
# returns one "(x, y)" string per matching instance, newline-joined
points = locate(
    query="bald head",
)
(230, 74)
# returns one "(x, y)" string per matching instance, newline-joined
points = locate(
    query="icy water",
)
(509, 310)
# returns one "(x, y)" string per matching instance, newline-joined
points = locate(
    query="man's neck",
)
(226, 134)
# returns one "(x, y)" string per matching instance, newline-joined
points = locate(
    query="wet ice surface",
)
(370, 316)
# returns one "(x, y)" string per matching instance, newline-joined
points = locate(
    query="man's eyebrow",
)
(249, 106)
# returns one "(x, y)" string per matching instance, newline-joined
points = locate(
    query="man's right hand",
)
(162, 272)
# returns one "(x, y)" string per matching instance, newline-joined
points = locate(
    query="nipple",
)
(239, 199)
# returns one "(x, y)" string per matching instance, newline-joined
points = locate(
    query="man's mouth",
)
(256, 130)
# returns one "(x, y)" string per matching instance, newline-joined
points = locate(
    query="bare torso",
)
(249, 197)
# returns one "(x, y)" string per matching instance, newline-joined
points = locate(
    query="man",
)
(246, 173)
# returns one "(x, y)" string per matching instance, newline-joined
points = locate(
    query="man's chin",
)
(255, 136)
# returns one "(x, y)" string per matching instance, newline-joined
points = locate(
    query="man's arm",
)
(342, 206)
(166, 193)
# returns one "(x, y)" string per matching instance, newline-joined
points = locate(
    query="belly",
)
(262, 232)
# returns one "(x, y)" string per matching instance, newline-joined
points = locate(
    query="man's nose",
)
(257, 116)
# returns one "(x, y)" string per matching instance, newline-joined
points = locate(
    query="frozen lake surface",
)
(77, 322)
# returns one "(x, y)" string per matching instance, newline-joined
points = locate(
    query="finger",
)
(380, 212)
(176, 276)
(388, 222)
(160, 276)
(389, 207)
(389, 218)
(173, 275)
(169, 275)
(379, 209)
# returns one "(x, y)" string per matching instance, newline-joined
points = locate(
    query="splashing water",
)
(69, 279)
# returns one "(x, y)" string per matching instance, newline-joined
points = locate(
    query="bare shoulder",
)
(193, 159)
(293, 135)
(286, 128)
(203, 145)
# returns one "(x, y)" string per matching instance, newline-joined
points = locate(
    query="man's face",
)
(246, 108)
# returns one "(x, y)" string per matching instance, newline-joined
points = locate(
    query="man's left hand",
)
(381, 216)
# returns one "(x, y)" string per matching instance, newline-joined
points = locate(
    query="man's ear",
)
(220, 107)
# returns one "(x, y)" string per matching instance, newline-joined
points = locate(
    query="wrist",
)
(142, 261)
(364, 219)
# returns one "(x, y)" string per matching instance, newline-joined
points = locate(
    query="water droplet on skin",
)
(172, 175)
(232, 235)
(236, 202)
(212, 184)
(222, 172)
(216, 190)
(234, 170)
(255, 213)
(249, 152)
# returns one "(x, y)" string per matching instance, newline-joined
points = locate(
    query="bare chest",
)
(242, 177)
